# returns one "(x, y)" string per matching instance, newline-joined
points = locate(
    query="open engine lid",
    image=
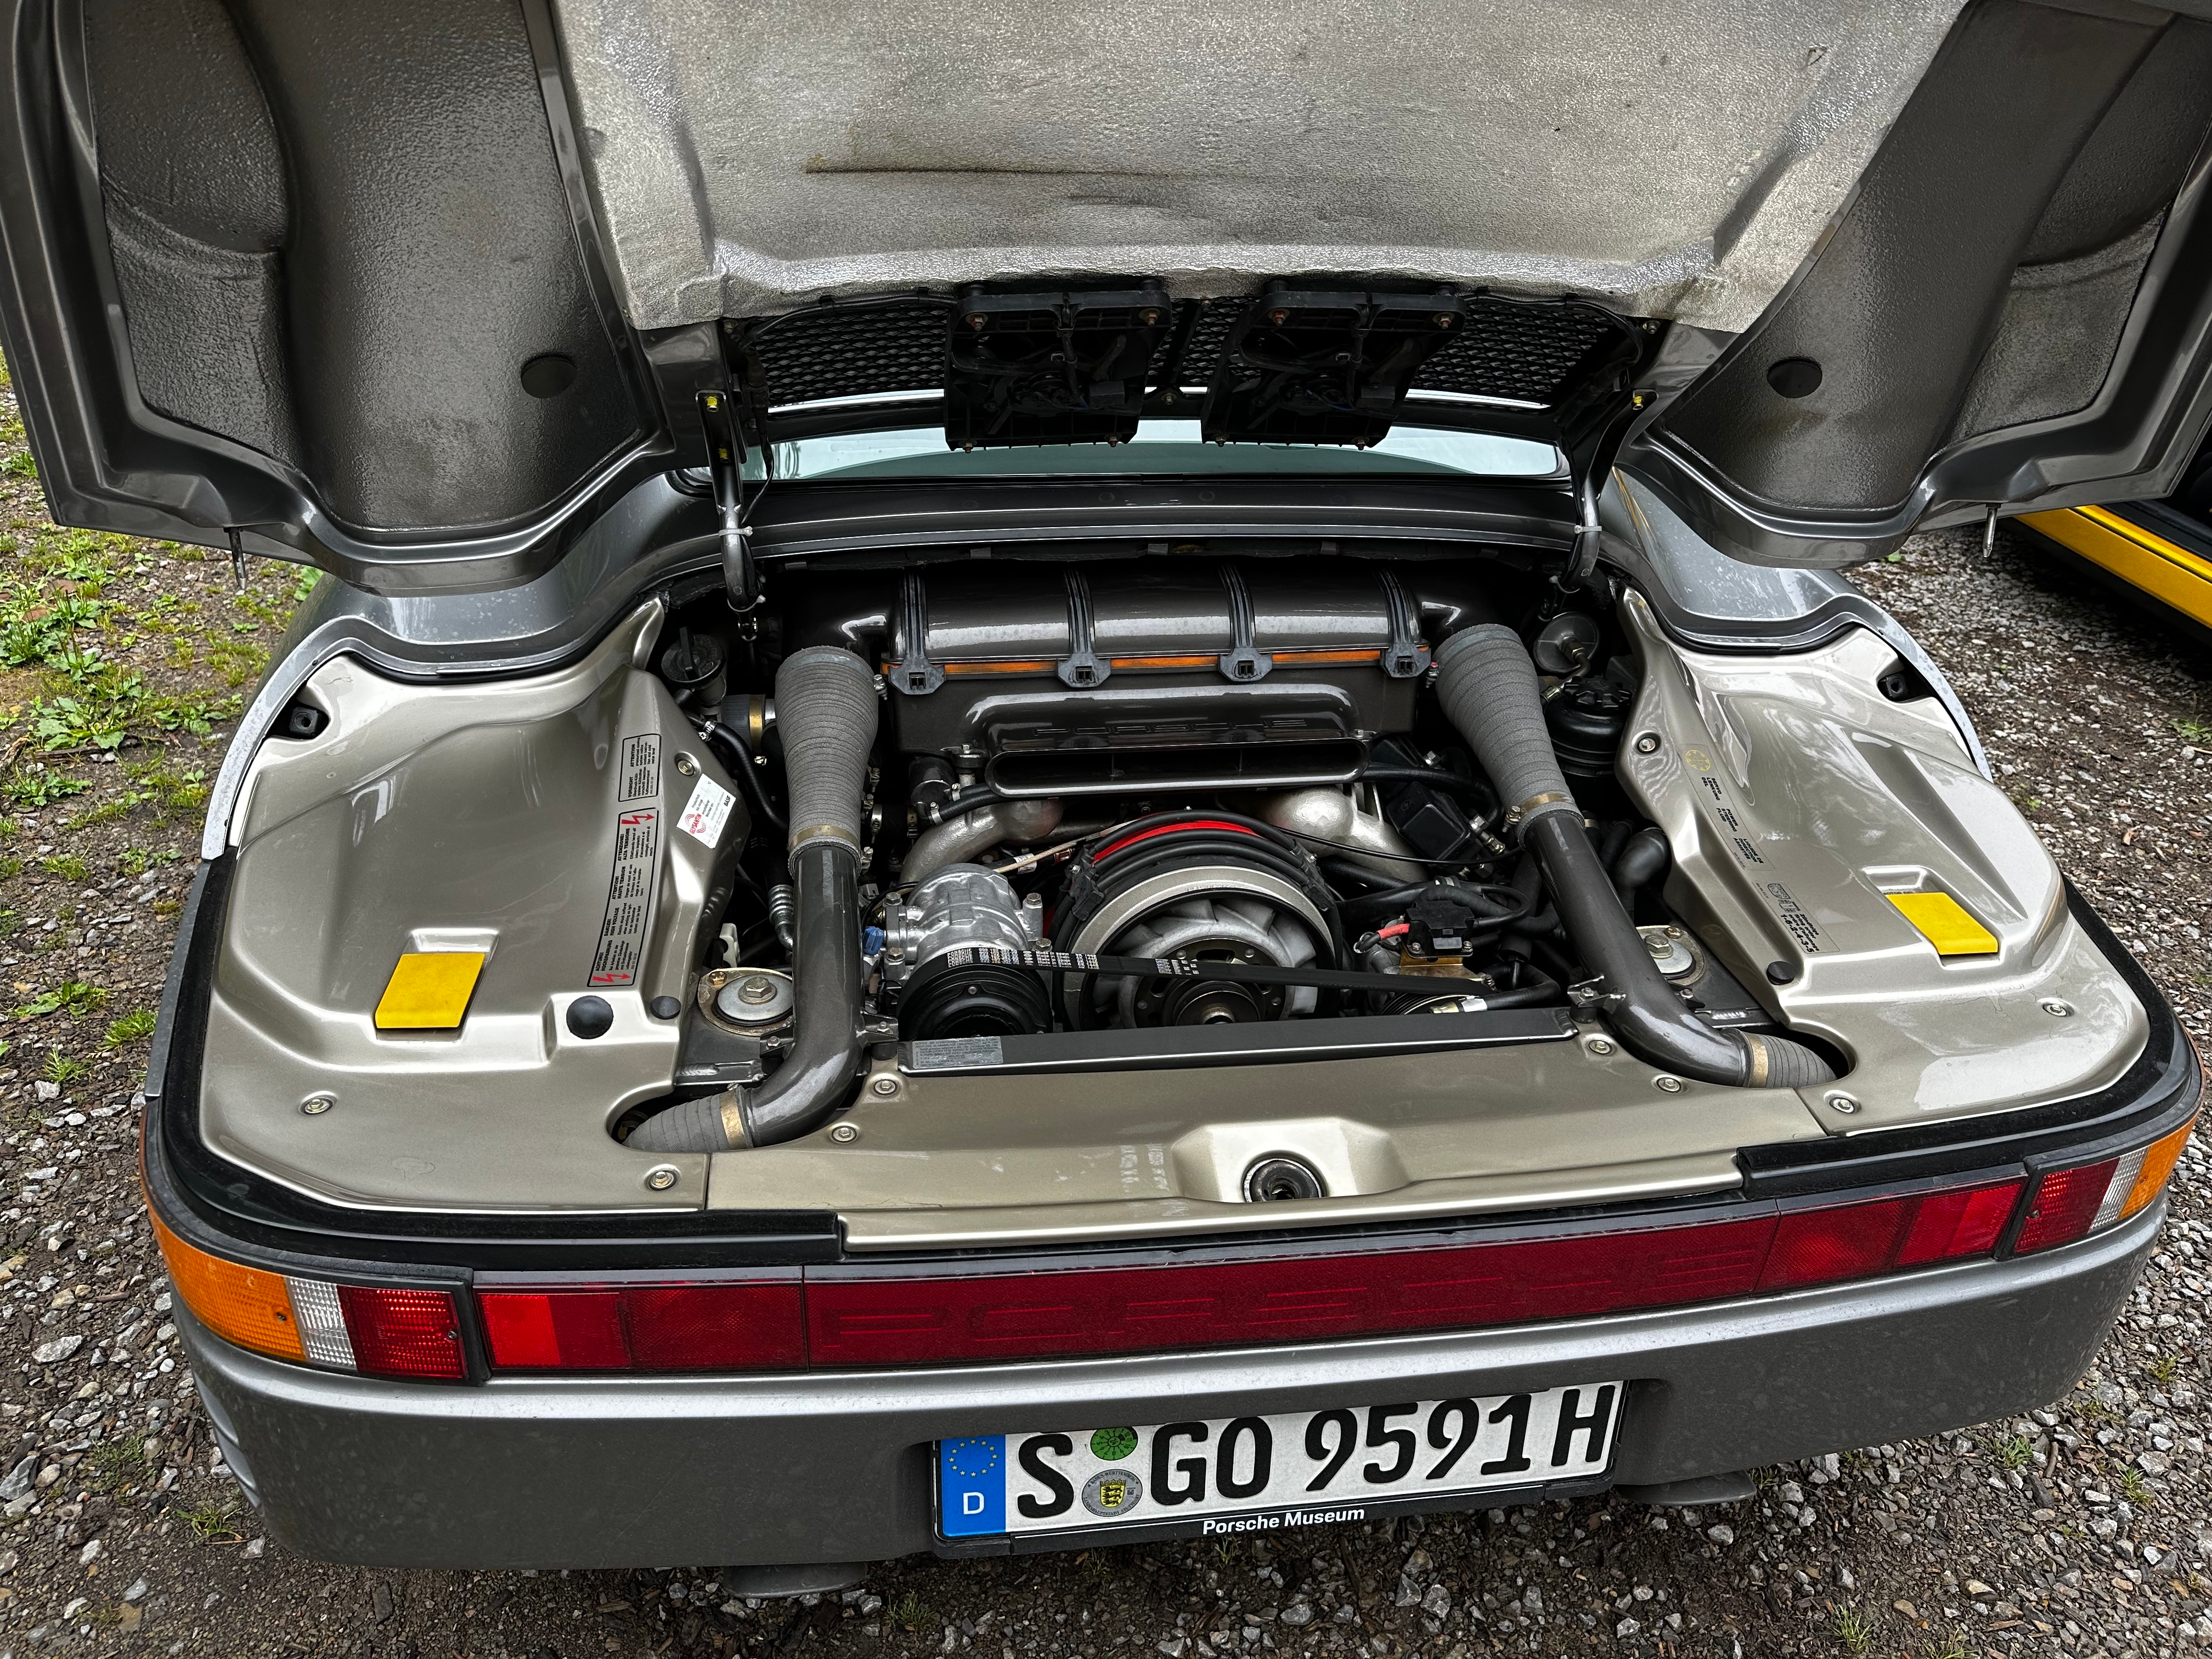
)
(415, 289)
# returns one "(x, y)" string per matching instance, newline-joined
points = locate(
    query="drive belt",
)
(1241, 973)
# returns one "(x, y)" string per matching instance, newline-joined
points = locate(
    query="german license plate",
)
(1226, 1476)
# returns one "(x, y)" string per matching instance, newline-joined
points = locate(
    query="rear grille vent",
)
(1524, 351)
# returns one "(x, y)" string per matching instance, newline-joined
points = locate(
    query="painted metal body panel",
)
(715, 1471)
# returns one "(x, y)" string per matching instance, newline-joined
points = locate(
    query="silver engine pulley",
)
(1219, 913)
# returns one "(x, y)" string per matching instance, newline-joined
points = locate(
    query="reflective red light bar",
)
(403, 1332)
(839, 1318)
(646, 1327)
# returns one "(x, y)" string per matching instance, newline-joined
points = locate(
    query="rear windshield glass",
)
(1162, 447)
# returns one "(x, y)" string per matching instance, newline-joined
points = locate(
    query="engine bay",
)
(988, 898)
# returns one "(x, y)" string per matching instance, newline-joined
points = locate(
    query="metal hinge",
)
(914, 673)
(1244, 660)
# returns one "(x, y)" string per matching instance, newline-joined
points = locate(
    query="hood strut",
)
(725, 460)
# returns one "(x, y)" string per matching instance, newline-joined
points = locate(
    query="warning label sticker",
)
(708, 811)
(1802, 926)
(629, 897)
(640, 775)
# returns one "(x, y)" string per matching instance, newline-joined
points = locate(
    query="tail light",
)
(888, 1317)
(646, 1327)
(859, 1315)
(2071, 1204)
(379, 1330)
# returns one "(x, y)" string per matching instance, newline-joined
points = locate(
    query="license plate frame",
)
(1519, 1436)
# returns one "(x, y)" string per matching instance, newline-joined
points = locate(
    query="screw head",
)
(1442, 319)
(881, 1085)
(1601, 1046)
(687, 766)
(1843, 1102)
(660, 1179)
(844, 1134)
(1667, 1085)
(316, 1105)
(756, 990)
(2057, 1010)
(1647, 744)
(975, 319)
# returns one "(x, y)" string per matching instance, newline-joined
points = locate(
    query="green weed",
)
(68, 867)
(2165, 1368)
(138, 1023)
(71, 997)
(40, 786)
(211, 1524)
(108, 812)
(1852, 1630)
(2015, 1452)
(2194, 730)
(60, 1068)
(111, 1466)
(137, 860)
(910, 1612)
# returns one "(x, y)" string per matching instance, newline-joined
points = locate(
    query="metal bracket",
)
(914, 673)
(725, 460)
(1407, 657)
(1083, 667)
(1244, 660)
(1593, 993)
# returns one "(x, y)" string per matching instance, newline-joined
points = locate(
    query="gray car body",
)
(603, 1470)
(836, 1466)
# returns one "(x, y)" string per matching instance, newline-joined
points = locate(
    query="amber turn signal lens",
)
(2158, 1161)
(240, 1304)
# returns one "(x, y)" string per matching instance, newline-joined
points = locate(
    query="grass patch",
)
(2165, 1368)
(40, 786)
(137, 860)
(2015, 1452)
(174, 790)
(108, 812)
(138, 1023)
(211, 1524)
(910, 1612)
(2133, 1489)
(66, 867)
(60, 1068)
(2194, 730)
(112, 1466)
(72, 997)
(1852, 1630)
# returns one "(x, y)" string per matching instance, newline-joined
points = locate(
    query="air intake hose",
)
(825, 707)
(1487, 685)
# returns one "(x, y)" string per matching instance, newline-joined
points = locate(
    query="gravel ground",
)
(2082, 1529)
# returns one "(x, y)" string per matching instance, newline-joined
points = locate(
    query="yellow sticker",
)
(1946, 924)
(428, 991)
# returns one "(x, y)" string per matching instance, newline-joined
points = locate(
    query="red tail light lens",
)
(2065, 1207)
(899, 1320)
(400, 1332)
(847, 1316)
(646, 1327)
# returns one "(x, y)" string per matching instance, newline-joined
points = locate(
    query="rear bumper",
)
(613, 1472)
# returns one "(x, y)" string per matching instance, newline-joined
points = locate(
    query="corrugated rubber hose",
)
(825, 709)
(1487, 685)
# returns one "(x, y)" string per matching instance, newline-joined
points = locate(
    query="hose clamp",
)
(803, 838)
(1535, 804)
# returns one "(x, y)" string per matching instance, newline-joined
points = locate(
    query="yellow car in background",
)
(2161, 550)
